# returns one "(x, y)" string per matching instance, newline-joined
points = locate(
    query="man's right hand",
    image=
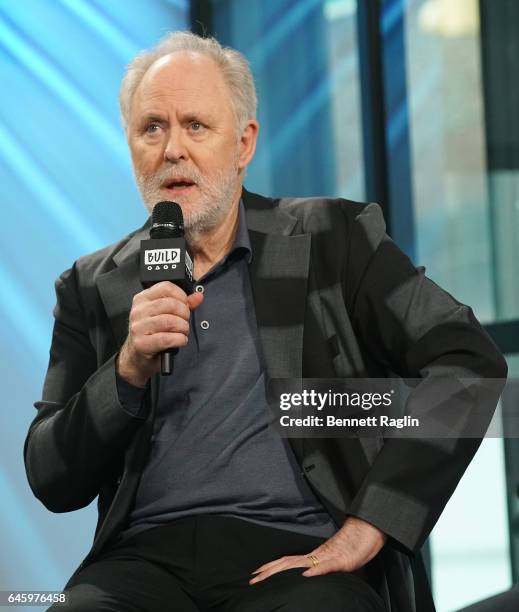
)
(159, 320)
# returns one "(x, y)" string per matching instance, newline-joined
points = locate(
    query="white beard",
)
(214, 199)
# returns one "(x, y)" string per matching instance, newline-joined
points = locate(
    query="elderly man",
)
(201, 505)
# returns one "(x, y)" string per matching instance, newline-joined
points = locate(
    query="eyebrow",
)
(195, 115)
(151, 117)
(204, 116)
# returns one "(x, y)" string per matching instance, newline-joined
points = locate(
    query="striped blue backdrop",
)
(67, 189)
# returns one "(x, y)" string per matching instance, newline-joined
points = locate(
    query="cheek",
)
(221, 159)
(145, 157)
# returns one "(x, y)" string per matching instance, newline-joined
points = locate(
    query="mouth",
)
(178, 185)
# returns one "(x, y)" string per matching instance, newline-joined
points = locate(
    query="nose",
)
(175, 149)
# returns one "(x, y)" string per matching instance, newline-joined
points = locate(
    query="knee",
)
(86, 598)
(313, 601)
(331, 603)
(334, 594)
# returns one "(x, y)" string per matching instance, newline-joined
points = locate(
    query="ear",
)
(247, 143)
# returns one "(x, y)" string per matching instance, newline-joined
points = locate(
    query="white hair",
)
(233, 65)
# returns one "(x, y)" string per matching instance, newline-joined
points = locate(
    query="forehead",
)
(183, 78)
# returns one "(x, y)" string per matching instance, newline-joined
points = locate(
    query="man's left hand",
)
(356, 543)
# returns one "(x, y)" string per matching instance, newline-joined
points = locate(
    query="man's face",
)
(184, 142)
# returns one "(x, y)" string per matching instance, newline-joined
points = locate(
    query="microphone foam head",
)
(167, 212)
(167, 220)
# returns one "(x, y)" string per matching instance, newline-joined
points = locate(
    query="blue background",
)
(67, 189)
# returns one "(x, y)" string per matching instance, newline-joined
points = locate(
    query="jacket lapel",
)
(118, 286)
(279, 278)
(285, 309)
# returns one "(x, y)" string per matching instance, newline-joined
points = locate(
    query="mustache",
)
(170, 174)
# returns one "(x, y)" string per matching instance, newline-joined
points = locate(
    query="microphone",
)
(166, 256)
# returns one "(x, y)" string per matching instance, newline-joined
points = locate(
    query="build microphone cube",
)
(166, 259)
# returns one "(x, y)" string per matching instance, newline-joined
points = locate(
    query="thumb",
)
(194, 300)
(325, 567)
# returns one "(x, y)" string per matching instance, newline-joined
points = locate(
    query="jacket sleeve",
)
(81, 430)
(412, 327)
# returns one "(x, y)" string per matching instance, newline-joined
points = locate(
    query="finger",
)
(164, 305)
(276, 570)
(270, 564)
(279, 562)
(156, 343)
(164, 289)
(290, 563)
(325, 567)
(194, 300)
(160, 323)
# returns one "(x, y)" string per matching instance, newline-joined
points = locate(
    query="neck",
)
(211, 246)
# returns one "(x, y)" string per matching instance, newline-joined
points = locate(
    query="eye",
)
(196, 126)
(152, 128)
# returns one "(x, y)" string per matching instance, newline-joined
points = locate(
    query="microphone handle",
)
(167, 360)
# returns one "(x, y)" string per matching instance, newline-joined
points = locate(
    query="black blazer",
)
(334, 297)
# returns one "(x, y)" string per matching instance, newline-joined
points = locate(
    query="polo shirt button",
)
(199, 288)
(204, 324)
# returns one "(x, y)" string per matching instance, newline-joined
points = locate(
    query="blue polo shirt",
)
(212, 450)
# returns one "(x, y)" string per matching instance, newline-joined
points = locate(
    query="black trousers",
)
(204, 563)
